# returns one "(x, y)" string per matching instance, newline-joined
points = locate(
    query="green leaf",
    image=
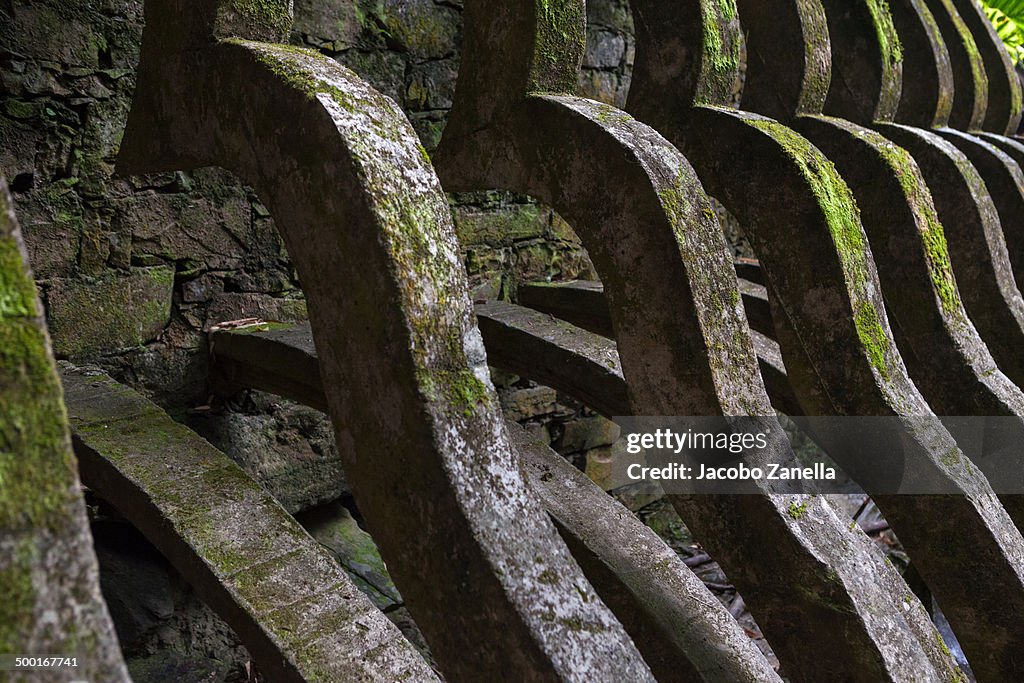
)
(1008, 18)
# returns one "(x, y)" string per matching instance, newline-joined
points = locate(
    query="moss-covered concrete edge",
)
(919, 199)
(842, 218)
(891, 54)
(40, 500)
(720, 67)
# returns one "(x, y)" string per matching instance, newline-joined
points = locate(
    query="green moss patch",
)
(461, 390)
(888, 38)
(259, 19)
(721, 57)
(559, 42)
(17, 292)
(842, 218)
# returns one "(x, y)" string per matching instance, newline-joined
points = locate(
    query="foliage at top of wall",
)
(1008, 18)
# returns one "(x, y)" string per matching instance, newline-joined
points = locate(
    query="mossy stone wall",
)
(67, 71)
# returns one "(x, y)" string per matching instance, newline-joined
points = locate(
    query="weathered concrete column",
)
(50, 602)
(945, 356)
(802, 220)
(682, 630)
(979, 179)
(674, 304)
(666, 608)
(1003, 101)
(290, 603)
(984, 141)
(926, 100)
(986, 269)
(970, 82)
(367, 225)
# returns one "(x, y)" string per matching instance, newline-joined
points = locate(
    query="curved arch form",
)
(945, 356)
(642, 575)
(297, 611)
(367, 225)
(645, 582)
(970, 82)
(682, 341)
(789, 68)
(832, 329)
(867, 61)
(943, 351)
(1003, 104)
(982, 192)
(926, 100)
(991, 154)
(1004, 181)
(977, 247)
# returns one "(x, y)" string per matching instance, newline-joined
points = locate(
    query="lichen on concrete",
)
(842, 217)
(54, 605)
(721, 52)
(559, 42)
(888, 38)
(977, 66)
(919, 200)
(33, 442)
(269, 20)
(228, 537)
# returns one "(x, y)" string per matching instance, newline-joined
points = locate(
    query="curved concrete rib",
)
(1012, 146)
(362, 214)
(867, 76)
(944, 353)
(970, 82)
(1003, 101)
(995, 163)
(832, 329)
(552, 352)
(282, 359)
(681, 334)
(642, 580)
(977, 249)
(926, 100)
(50, 601)
(285, 596)
(666, 609)
(582, 303)
(978, 244)
(870, 380)
(794, 54)
(1004, 182)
